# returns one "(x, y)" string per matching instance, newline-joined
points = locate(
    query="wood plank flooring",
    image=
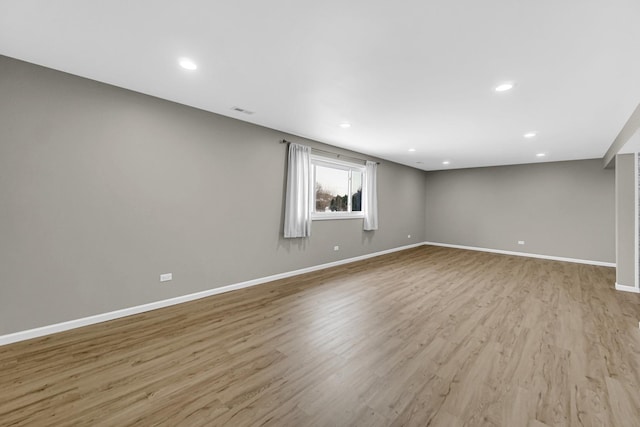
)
(428, 336)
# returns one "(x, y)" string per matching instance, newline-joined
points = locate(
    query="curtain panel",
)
(370, 196)
(297, 214)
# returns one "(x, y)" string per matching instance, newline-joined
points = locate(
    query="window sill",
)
(321, 217)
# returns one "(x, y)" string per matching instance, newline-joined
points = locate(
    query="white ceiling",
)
(408, 74)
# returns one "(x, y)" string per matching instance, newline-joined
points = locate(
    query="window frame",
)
(339, 165)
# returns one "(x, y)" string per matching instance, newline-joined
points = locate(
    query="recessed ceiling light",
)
(504, 87)
(446, 162)
(529, 134)
(540, 155)
(411, 150)
(187, 64)
(345, 125)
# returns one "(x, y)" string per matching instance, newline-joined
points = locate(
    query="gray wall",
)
(103, 189)
(625, 219)
(562, 209)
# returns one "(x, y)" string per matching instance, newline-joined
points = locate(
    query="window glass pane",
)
(332, 189)
(356, 191)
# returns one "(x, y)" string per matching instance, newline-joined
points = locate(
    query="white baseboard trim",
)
(98, 318)
(626, 288)
(525, 254)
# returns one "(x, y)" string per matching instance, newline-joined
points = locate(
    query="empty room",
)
(364, 213)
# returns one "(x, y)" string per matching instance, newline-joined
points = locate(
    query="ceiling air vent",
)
(242, 110)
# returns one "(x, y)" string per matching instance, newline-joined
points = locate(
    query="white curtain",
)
(370, 196)
(297, 213)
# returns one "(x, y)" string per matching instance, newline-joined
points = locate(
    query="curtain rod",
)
(284, 141)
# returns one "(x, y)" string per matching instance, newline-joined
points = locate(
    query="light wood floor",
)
(429, 336)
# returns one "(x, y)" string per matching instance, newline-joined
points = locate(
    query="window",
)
(337, 189)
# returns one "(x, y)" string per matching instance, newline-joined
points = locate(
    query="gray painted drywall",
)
(625, 219)
(563, 209)
(103, 189)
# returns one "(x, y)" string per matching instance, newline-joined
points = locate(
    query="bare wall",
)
(626, 181)
(563, 209)
(103, 189)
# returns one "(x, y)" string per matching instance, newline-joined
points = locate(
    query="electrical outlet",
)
(336, 248)
(166, 277)
(408, 236)
(521, 242)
